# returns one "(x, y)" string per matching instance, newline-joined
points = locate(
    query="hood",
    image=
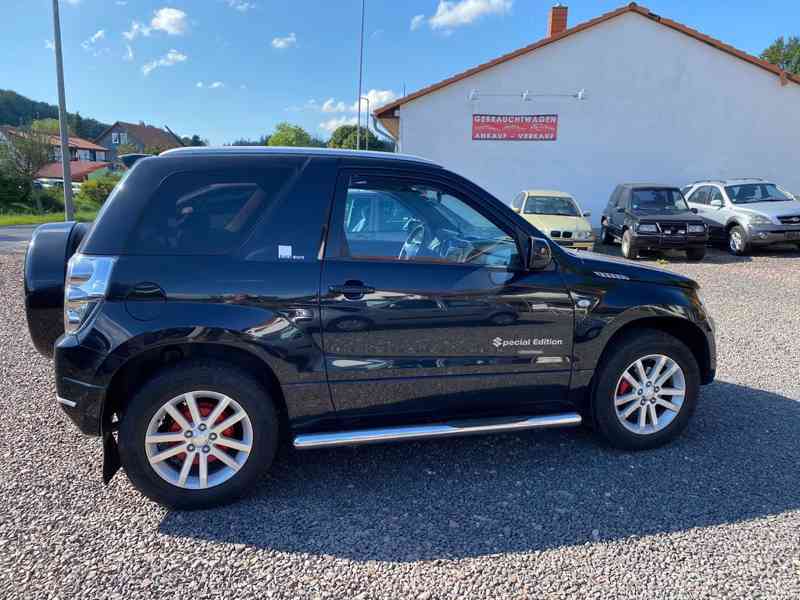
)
(682, 217)
(592, 263)
(547, 223)
(770, 209)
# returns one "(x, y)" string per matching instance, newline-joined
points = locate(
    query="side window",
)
(397, 219)
(716, 194)
(700, 195)
(517, 203)
(206, 212)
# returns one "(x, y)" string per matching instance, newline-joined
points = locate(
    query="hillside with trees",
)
(16, 110)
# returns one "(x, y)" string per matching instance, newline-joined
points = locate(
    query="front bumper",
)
(658, 241)
(764, 235)
(577, 245)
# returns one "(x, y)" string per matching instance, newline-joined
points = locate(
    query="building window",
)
(123, 138)
(115, 138)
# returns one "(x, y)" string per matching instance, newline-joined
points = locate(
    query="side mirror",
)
(539, 254)
(694, 210)
(516, 209)
(717, 203)
(587, 214)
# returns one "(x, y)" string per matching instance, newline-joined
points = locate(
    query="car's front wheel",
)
(646, 390)
(628, 249)
(198, 435)
(737, 241)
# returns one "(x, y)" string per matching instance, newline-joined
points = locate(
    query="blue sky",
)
(234, 68)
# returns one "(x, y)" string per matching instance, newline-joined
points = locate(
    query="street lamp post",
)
(366, 135)
(69, 211)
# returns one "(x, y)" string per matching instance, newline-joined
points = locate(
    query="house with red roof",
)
(628, 96)
(141, 137)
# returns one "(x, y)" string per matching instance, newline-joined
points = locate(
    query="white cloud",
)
(331, 106)
(121, 3)
(171, 20)
(199, 84)
(49, 45)
(417, 22)
(73, 2)
(332, 125)
(241, 5)
(451, 14)
(89, 43)
(173, 57)
(128, 53)
(284, 42)
(136, 30)
(216, 85)
(243, 86)
(378, 98)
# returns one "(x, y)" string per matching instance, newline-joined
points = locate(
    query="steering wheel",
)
(413, 243)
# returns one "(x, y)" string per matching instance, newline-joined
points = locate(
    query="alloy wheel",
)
(649, 394)
(199, 439)
(736, 242)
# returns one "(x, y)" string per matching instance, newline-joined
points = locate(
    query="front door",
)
(427, 312)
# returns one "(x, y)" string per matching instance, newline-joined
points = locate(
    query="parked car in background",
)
(744, 213)
(224, 297)
(645, 216)
(558, 215)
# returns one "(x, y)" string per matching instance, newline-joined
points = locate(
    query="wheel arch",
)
(143, 366)
(683, 329)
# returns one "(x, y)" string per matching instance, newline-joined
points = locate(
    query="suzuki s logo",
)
(499, 342)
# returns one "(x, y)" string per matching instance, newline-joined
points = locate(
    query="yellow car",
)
(557, 215)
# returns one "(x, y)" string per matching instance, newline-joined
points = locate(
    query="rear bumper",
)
(79, 395)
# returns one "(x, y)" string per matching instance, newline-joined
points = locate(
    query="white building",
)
(635, 96)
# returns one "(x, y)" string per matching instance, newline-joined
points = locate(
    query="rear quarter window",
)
(209, 212)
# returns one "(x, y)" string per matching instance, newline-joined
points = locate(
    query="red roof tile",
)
(79, 169)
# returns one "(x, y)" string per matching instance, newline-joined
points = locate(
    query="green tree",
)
(195, 140)
(127, 149)
(22, 157)
(95, 191)
(346, 137)
(287, 134)
(50, 126)
(784, 54)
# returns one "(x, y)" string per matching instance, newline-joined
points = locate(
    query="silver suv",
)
(746, 212)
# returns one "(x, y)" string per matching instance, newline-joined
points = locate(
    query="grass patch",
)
(34, 219)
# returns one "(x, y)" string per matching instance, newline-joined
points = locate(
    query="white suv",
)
(746, 212)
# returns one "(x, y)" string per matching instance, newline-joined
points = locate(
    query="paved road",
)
(15, 239)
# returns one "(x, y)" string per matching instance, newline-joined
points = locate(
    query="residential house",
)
(141, 137)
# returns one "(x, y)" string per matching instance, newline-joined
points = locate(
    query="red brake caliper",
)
(205, 407)
(624, 387)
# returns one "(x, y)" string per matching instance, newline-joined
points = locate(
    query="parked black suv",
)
(646, 216)
(225, 297)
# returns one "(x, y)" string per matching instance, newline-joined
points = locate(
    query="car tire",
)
(210, 384)
(737, 241)
(628, 249)
(605, 235)
(696, 254)
(647, 346)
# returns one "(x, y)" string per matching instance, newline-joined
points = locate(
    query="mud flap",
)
(111, 460)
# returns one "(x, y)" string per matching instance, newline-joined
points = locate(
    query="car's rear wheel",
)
(737, 241)
(696, 254)
(605, 235)
(628, 249)
(198, 435)
(646, 391)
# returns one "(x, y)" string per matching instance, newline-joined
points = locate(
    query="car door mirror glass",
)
(587, 214)
(540, 256)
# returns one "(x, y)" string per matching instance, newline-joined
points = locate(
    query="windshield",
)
(551, 205)
(662, 200)
(755, 192)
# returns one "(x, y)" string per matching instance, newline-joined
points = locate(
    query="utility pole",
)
(366, 135)
(360, 74)
(69, 210)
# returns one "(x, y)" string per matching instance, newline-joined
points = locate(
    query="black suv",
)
(646, 216)
(226, 298)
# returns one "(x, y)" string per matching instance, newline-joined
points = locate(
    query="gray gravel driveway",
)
(549, 514)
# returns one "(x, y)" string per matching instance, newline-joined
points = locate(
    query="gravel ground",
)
(533, 515)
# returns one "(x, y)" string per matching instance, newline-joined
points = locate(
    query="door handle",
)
(352, 290)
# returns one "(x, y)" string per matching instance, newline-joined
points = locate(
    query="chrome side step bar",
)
(436, 430)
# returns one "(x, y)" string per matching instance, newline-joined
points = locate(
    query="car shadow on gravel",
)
(523, 492)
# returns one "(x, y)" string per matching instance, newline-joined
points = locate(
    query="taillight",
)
(85, 288)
